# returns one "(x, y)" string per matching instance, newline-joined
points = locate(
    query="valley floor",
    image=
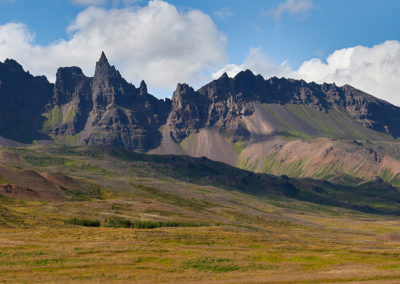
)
(214, 235)
(290, 247)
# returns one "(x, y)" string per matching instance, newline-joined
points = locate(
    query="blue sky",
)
(276, 33)
(325, 27)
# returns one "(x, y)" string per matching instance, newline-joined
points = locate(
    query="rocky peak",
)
(182, 91)
(224, 76)
(23, 98)
(104, 70)
(103, 58)
(69, 84)
(69, 75)
(246, 75)
(189, 112)
(106, 109)
(14, 65)
(142, 88)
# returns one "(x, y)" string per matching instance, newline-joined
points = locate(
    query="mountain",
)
(300, 181)
(23, 99)
(224, 100)
(54, 173)
(104, 110)
(276, 126)
(284, 126)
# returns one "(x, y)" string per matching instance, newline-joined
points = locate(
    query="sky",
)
(354, 42)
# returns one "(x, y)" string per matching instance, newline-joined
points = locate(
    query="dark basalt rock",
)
(188, 113)
(227, 99)
(23, 99)
(107, 110)
(72, 89)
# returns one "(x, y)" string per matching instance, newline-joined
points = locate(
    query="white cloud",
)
(156, 43)
(292, 7)
(89, 2)
(258, 63)
(375, 70)
(223, 13)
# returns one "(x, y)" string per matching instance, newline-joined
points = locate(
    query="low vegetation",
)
(117, 222)
(176, 220)
(83, 222)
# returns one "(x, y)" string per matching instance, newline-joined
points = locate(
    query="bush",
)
(83, 222)
(118, 222)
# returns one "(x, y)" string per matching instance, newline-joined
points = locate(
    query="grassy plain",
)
(218, 235)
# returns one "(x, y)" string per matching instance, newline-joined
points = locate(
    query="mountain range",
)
(276, 126)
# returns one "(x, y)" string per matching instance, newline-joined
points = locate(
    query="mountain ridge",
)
(246, 121)
(216, 103)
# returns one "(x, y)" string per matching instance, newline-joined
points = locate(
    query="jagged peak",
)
(143, 87)
(14, 64)
(244, 74)
(182, 89)
(104, 69)
(73, 69)
(103, 58)
(223, 76)
(103, 61)
(182, 86)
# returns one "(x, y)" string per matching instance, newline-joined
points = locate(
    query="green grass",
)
(178, 223)
(211, 264)
(335, 123)
(172, 198)
(70, 116)
(3, 180)
(91, 191)
(53, 118)
(239, 146)
(45, 160)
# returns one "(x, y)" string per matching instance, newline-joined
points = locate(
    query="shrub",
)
(118, 222)
(83, 222)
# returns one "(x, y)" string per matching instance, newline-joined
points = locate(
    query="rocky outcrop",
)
(188, 113)
(71, 104)
(106, 110)
(226, 99)
(23, 99)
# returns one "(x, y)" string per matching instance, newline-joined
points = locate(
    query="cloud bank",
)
(291, 7)
(88, 2)
(257, 62)
(156, 43)
(375, 70)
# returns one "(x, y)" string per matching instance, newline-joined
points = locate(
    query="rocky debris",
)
(12, 190)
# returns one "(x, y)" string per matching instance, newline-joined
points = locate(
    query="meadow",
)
(124, 221)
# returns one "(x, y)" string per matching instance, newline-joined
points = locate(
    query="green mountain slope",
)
(298, 141)
(62, 174)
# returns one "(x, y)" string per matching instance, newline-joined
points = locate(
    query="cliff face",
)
(23, 99)
(223, 101)
(107, 110)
